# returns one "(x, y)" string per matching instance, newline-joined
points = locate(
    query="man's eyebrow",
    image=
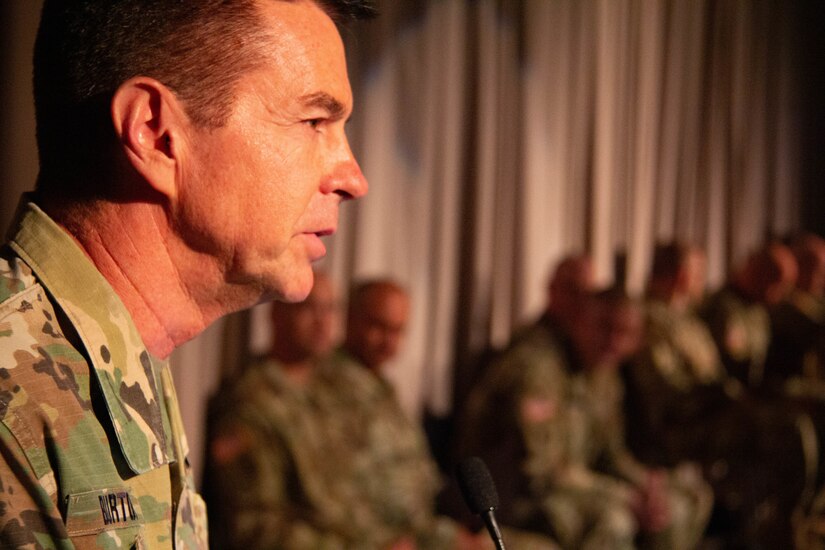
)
(325, 101)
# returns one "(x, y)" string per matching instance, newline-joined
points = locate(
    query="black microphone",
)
(480, 493)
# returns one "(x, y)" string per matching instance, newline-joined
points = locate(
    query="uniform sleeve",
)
(724, 319)
(617, 458)
(398, 473)
(28, 516)
(540, 411)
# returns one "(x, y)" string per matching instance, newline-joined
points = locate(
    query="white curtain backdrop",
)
(499, 136)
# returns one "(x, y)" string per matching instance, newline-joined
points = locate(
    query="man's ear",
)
(149, 121)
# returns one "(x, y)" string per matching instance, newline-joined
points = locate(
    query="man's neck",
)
(674, 299)
(298, 371)
(170, 292)
(351, 350)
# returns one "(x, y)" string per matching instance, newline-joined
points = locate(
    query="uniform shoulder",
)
(536, 356)
(538, 339)
(43, 375)
(723, 299)
(342, 370)
(262, 375)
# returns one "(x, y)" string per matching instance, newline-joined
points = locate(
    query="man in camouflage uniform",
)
(161, 205)
(394, 466)
(680, 386)
(398, 474)
(738, 315)
(610, 334)
(795, 358)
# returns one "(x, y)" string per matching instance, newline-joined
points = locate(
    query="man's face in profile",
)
(377, 330)
(261, 190)
(310, 326)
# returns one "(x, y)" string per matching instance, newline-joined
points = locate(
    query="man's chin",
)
(297, 288)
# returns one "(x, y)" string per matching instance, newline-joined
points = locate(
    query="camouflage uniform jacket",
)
(677, 384)
(92, 452)
(564, 458)
(294, 469)
(518, 394)
(741, 329)
(394, 464)
(794, 356)
(682, 347)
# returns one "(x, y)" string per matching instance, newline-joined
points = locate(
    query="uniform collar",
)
(127, 372)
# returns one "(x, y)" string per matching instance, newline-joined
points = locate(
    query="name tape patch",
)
(104, 509)
(117, 508)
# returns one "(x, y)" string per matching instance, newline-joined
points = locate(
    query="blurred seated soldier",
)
(674, 506)
(570, 281)
(679, 374)
(683, 405)
(737, 314)
(739, 317)
(571, 474)
(794, 361)
(570, 284)
(277, 470)
(400, 476)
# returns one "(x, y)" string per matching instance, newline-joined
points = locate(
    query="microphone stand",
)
(492, 527)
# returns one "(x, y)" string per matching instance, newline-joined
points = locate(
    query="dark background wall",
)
(811, 55)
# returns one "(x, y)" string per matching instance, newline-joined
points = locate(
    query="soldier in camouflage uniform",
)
(795, 359)
(680, 386)
(604, 342)
(739, 319)
(399, 473)
(396, 469)
(738, 314)
(152, 217)
(73, 357)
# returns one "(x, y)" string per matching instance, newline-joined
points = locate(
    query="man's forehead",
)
(389, 312)
(306, 47)
(300, 19)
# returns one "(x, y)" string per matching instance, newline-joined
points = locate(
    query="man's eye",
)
(313, 122)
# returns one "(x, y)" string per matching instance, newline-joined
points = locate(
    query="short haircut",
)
(572, 273)
(360, 293)
(668, 259)
(809, 250)
(772, 264)
(85, 49)
(614, 296)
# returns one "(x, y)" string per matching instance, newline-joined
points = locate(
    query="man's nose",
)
(346, 178)
(353, 184)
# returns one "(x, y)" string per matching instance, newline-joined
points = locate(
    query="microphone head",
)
(477, 485)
